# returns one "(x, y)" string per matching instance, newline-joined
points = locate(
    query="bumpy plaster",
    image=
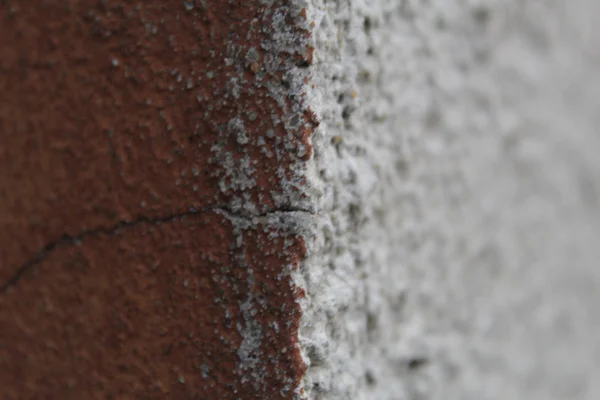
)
(457, 227)
(384, 197)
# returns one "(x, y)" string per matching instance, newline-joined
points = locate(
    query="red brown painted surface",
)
(137, 142)
(150, 311)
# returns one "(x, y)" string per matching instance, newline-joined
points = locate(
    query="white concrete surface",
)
(457, 252)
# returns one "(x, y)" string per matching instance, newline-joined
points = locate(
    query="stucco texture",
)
(300, 199)
(458, 155)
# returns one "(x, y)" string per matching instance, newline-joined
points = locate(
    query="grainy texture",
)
(323, 199)
(178, 309)
(151, 158)
(460, 238)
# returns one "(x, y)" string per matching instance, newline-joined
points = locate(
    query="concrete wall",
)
(322, 199)
(458, 155)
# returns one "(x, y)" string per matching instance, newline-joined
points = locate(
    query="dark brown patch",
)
(114, 117)
(153, 311)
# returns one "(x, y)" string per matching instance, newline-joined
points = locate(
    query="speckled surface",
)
(346, 199)
(151, 156)
(461, 201)
(194, 307)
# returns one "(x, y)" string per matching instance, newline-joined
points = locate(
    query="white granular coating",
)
(456, 247)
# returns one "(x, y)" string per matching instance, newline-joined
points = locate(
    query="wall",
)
(324, 199)
(460, 225)
(149, 190)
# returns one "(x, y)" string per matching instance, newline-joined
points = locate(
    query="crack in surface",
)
(66, 239)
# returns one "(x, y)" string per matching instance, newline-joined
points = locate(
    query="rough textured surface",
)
(461, 216)
(201, 312)
(331, 199)
(151, 196)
